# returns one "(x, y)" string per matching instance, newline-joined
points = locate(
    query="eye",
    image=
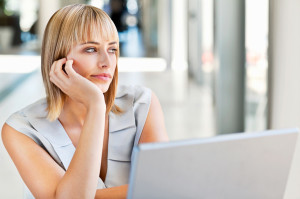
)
(113, 50)
(90, 50)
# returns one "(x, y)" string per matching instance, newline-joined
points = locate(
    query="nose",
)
(103, 59)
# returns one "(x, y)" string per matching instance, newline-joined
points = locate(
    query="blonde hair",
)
(69, 26)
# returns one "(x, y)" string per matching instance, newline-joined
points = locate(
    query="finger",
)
(58, 71)
(69, 69)
(52, 68)
(57, 64)
(57, 81)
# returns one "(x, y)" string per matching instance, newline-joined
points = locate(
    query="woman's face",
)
(95, 60)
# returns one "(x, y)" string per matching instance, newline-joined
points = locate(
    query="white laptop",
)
(234, 166)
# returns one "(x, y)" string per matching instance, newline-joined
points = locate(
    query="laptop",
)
(242, 165)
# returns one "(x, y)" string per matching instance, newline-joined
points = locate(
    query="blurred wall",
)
(230, 65)
(284, 62)
(47, 9)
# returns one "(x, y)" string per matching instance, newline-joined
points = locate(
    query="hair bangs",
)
(93, 25)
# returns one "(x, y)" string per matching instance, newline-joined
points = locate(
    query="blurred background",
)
(217, 67)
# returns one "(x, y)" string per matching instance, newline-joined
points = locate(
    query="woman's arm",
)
(81, 178)
(43, 176)
(119, 192)
(154, 131)
(38, 170)
(154, 128)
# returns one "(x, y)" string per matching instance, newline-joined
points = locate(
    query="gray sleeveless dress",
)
(124, 133)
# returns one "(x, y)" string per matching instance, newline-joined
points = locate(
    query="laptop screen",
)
(241, 165)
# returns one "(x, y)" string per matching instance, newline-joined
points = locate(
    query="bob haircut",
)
(67, 27)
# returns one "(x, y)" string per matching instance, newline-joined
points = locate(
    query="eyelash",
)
(114, 50)
(88, 50)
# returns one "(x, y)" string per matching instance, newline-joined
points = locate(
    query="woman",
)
(77, 143)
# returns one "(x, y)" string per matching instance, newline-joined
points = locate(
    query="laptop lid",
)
(234, 166)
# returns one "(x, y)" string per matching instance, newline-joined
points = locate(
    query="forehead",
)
(100, 32)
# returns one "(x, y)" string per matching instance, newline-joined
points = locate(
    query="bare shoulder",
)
(32, 162)
(154, 128)
(12, 139)
(10, 136)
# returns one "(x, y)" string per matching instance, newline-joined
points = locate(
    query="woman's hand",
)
(74, 85)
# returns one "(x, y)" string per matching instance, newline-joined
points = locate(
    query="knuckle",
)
(56, 72)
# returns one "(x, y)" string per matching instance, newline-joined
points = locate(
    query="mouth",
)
(102, 76)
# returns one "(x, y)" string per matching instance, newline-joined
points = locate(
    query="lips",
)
(102, 76)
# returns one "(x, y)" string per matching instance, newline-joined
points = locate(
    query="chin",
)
(103, 88)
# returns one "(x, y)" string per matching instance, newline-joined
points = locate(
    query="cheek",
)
(81, 67)
(114, 64)
(77, 67)
(80, 63)
(113, 69)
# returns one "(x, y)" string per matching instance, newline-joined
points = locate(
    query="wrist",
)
(96, 107)
(96, 102)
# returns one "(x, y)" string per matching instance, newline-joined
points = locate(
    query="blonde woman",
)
(77, 143)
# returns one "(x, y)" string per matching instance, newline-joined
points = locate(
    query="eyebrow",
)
(94, 42)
